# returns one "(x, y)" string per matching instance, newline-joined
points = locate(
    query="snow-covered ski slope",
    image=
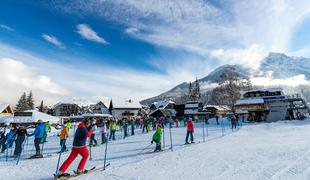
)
(278, 150)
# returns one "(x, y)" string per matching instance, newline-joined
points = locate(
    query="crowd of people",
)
(89, 128)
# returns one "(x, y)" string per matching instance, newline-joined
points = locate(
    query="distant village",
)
(252, 105)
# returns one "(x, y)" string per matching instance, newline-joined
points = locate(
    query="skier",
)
(234, 121)
(190, 131)
(21, 133)
(104, 133)
(112, 130)
(38, 133)
(79, 148)
(64, 134)
(47, 130)
(125, 128)
(132, 124)
(144, 126)
(3, 134)
(217, 119)
(92, 137)
(10, 137)
(157, 138)
(176, 122)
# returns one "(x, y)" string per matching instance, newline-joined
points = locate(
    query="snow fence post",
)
(105, 155)
(203, 131)
(222, 125)
(171, 144)
(163, 136)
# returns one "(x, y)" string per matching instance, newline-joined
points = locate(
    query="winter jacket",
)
(157, 135)
(47, 127)
(64, 133)
(39, 132)
(21, 132)
(94, 128)
(234, 119)
(190, 126)
(113, 126)
(81, 135)
(104, 129)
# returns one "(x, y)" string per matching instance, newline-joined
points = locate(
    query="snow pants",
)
(37, 142)
(74, 153)
(187, 136)
(233, 125)
(112, 134)
(3, 140)
(63, 145)
(92, 139)
(132, 130)
(18, 145)
(103, 138)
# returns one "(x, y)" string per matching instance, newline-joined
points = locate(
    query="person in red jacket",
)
(79, 148)
(190, 131)
(234, 121)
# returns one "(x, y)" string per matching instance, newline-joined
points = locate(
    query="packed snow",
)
(279, 150)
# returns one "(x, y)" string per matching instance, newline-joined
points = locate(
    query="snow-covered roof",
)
(3, 107)
(218, 107)
(96, 115)
(36, 115)
(250, 101)
(162, 104)
(126, 104)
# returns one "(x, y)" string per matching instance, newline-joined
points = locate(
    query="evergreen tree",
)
(41, 107)
(30, 101)
(111, 107)
(22, 103)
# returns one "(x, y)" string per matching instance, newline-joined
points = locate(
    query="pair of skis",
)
(76, 174)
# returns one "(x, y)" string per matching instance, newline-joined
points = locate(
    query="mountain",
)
(206, 84)
(281, 66)
(284, 66)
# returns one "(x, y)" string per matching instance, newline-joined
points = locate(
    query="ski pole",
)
(59, 157)
(171, 144)
(207, 130)
(163, 136)
(90, 157)
(203, 131)
(145, 148)
(7, 153)
(21, 151)
(105, 155)
(222, 125)
(42, 148)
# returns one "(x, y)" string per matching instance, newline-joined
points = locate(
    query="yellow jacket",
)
(113, 126)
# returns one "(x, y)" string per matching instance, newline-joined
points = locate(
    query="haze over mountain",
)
(277, 69)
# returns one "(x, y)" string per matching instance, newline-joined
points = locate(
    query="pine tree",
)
(41, 107)
(111, 107)
(30, 101)
(22, 103)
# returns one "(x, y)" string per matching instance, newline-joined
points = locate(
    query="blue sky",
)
(137, 49)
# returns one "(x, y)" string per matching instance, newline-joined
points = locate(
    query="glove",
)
(151, 142)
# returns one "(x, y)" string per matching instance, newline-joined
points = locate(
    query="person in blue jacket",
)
(38, 134)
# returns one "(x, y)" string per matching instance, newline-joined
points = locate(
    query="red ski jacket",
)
(190, 126)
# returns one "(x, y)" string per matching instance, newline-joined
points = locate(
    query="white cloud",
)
(293, 81)
(131, 30)
(17, 77)
(53, 40)
(86, 32)
(202, 27)
(5, 27)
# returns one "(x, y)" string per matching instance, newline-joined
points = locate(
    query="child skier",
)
(157, 138)
(63, 138)
(92, 137)
(79, 148)
(190, 131)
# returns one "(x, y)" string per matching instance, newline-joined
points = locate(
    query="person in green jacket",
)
(157, 138)
(47, 130)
